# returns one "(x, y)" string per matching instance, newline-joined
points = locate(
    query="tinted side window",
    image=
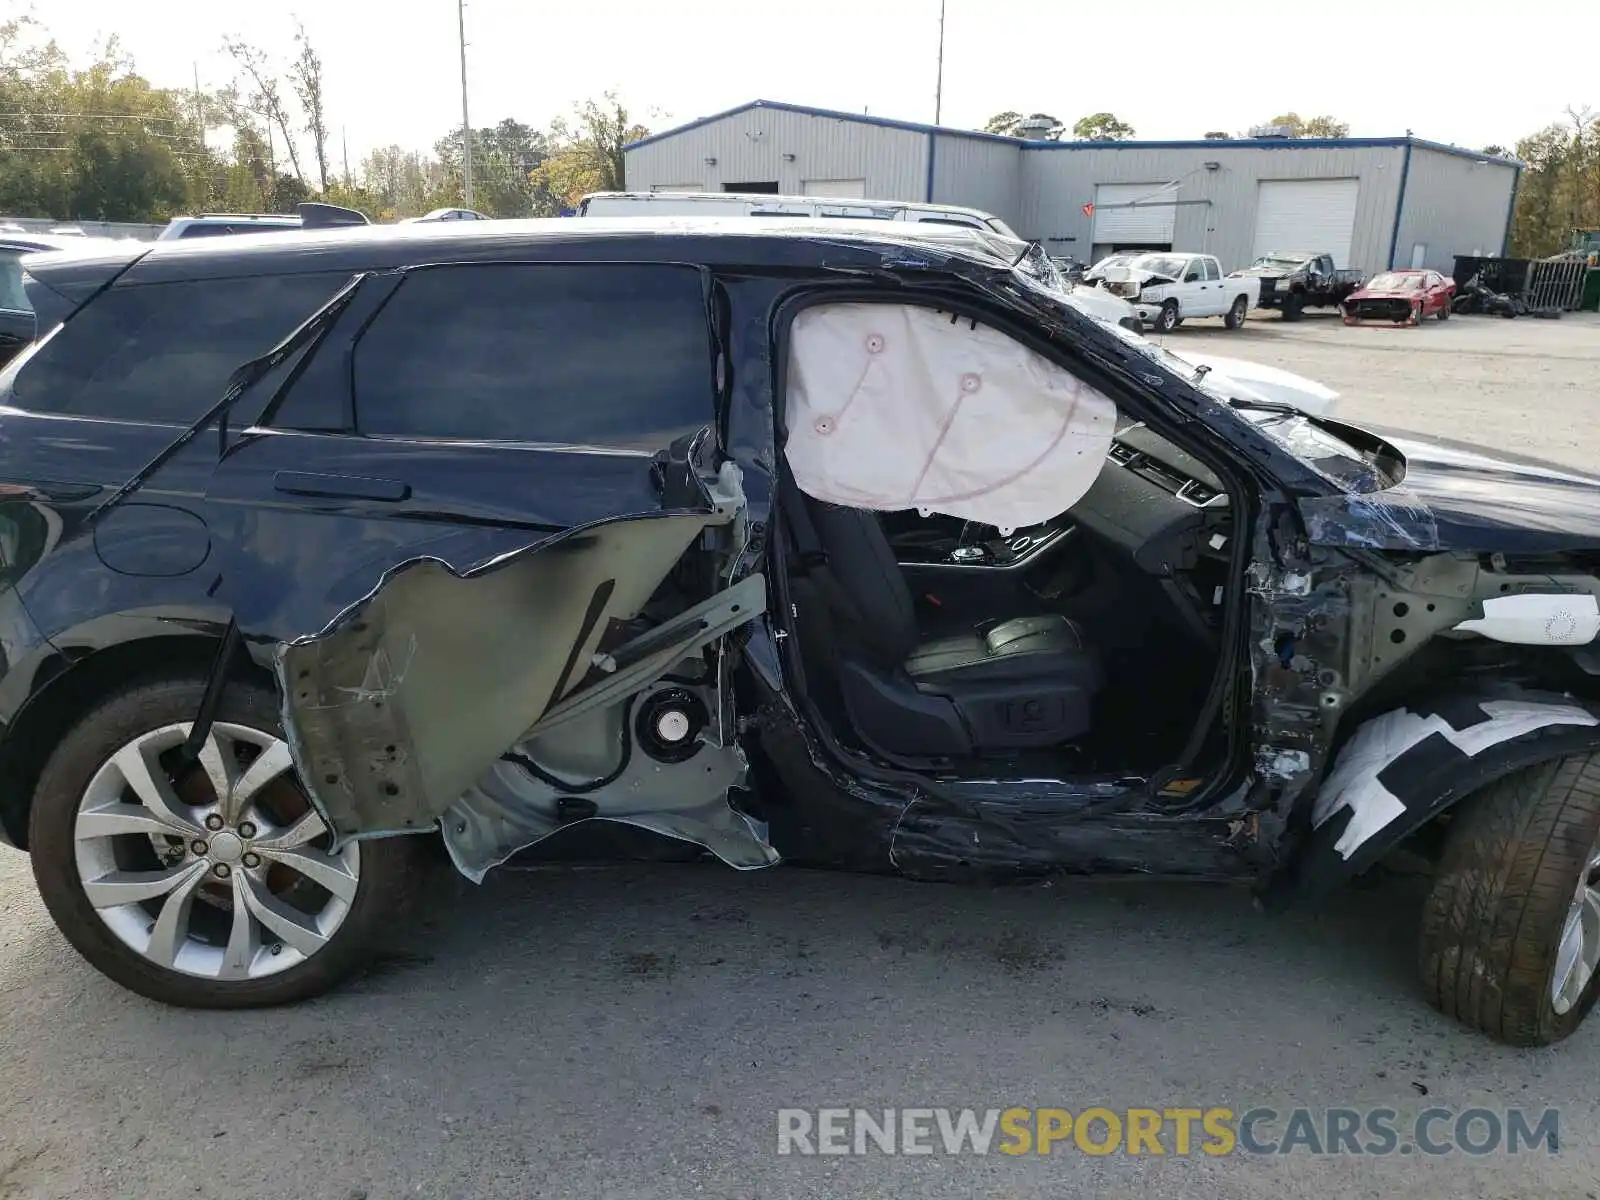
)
(12, 297)
(574, 354)
(163, 352)
(1209, 266)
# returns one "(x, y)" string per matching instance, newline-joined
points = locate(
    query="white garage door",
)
(855, 189)
(1140, 214)
(1307, 214)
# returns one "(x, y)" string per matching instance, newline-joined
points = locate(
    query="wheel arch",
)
(66, 685)
(1403, 768)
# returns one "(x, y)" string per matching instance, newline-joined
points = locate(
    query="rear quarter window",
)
(586, 354)
(163, 352)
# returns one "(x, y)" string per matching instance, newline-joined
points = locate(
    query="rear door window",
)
(163, 352)
(617, 356)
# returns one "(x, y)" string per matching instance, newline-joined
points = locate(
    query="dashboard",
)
(1153, 504)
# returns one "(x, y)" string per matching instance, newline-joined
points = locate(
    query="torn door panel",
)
(659, 760)
(403, 703)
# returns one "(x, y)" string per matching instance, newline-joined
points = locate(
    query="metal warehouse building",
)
(1372, 202)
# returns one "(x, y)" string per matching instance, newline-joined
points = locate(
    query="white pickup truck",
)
(1166, 288)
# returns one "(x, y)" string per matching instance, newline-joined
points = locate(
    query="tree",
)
(1010, 124)
(1003, 123)
(504, 159)
(1101, 127)
(265, 100)
(1560, 188)
(1314, 127)
(586, 153)
(95, 143)
(305, 76)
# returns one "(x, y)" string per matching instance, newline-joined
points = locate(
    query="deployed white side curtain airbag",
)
(894, 406)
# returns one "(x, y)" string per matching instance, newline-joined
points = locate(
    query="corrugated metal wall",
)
(979, 174)
(750, 146)
(1216, 209)
(1453, 205)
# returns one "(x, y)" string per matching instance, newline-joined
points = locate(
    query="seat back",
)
(863, 564)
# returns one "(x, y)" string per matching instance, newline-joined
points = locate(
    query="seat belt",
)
(810, 560)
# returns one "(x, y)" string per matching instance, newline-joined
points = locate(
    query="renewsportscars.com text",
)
(1166, 1131)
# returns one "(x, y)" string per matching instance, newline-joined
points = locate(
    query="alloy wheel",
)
(224, 872)
(1578, 954)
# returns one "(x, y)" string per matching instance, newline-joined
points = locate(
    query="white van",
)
(747, 204)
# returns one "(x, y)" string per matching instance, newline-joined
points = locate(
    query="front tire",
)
(1511, 931)
(216, 890)
(1444, 313)
(1236, 313)
(1167, 318)
(1293, 306)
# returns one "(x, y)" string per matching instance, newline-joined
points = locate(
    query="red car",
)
(1404, 297)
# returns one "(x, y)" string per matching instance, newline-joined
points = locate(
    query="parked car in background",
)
(1403, 297)
(310, 215)
(1168, 288)
(445, 214)
(17, 324)
(1295, 280)
(754, 204)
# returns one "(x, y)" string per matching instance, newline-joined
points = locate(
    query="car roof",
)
(719, 240)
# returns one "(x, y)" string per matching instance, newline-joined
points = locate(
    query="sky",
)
(1172, 69)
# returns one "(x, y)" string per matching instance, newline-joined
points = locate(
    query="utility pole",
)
(938, 87)
(344, 143)
(199, 109)
(466, 125)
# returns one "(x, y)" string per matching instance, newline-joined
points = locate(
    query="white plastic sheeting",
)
(893, 406)
(1356, 780)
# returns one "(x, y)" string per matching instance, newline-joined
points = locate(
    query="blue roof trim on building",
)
(978, 135)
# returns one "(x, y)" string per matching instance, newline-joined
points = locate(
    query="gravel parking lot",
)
(632, 1030)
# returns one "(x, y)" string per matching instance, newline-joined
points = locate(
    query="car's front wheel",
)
(1511, 931)
(1167, 318)
(216, 886)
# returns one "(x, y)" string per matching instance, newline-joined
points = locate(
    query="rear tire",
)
(1511, 930)
(1444, 313)
(1167, 319)
(1236, 313)
(85, 778)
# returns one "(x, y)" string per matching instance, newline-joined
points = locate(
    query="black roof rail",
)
(328, 216)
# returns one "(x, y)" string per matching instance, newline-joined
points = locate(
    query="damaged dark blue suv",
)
(831, 544)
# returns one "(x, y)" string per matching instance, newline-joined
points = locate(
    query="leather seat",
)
(1007, 685)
